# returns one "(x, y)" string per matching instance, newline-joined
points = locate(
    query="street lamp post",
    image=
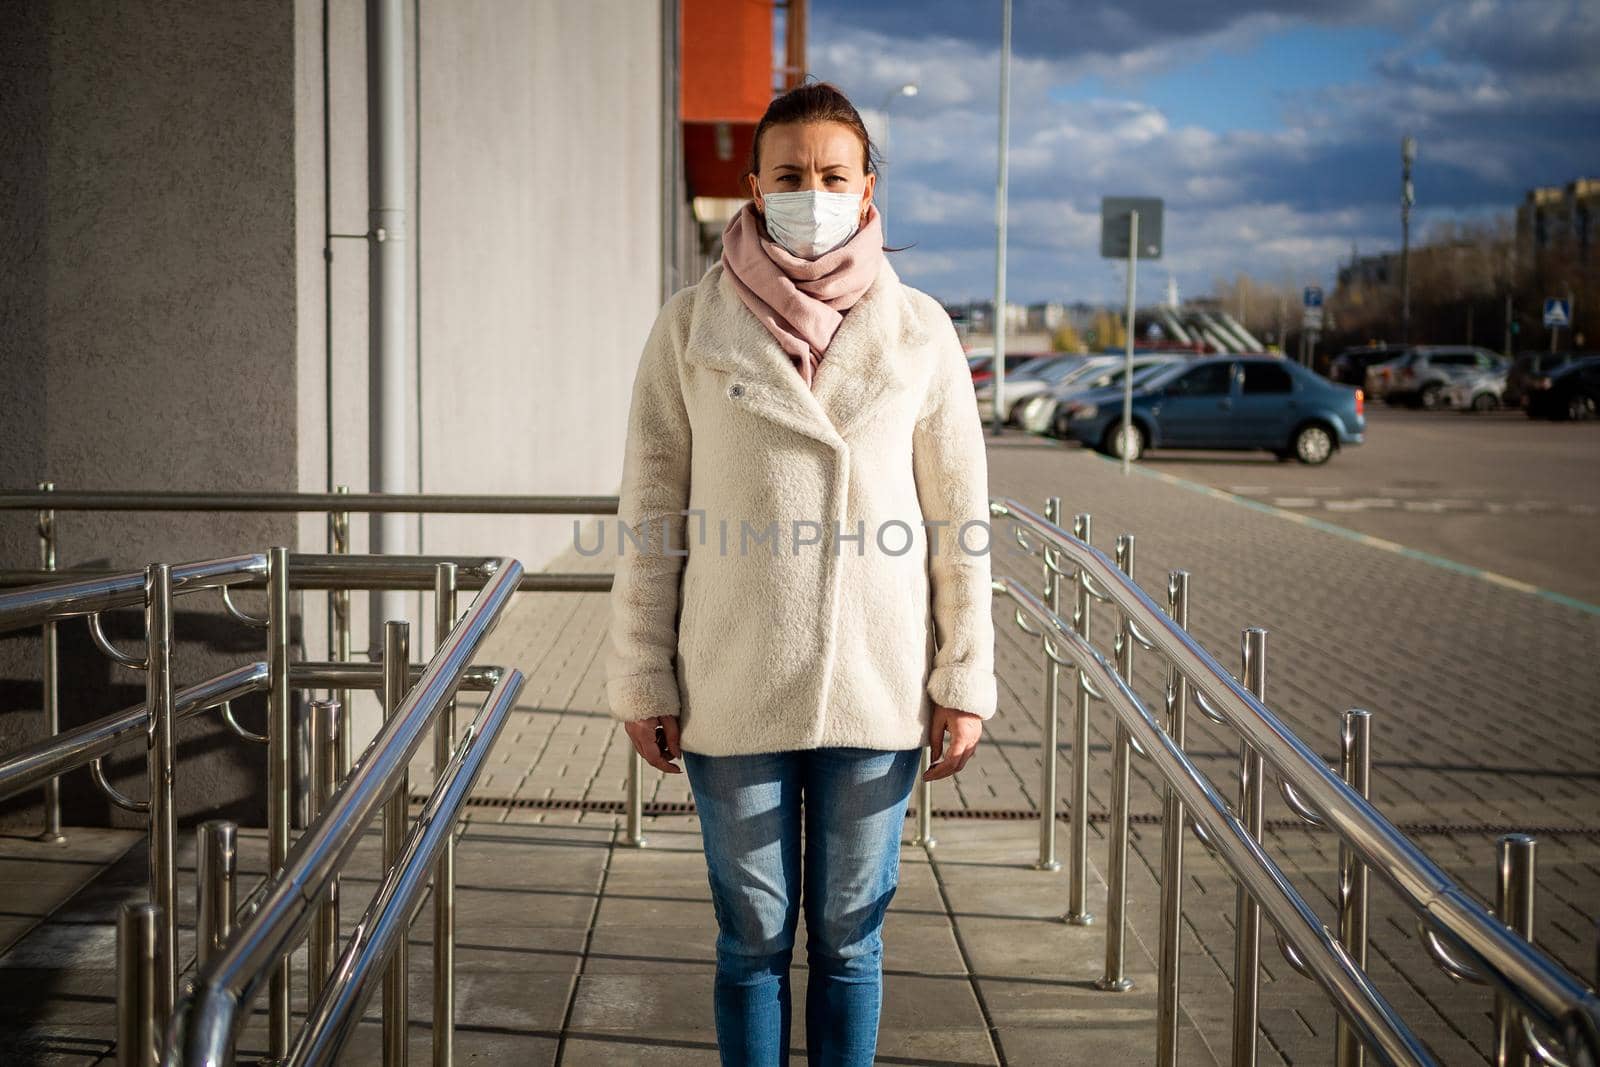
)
(1000, 220)
(881, 194)
(1408, 153)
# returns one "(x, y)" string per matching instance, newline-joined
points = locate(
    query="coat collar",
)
(870, 358)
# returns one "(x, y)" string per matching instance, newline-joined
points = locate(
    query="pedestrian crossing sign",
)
(1557, 313)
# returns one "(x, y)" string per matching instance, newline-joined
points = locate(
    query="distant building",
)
(1046, 316)
(1370, 272)
(1560, 218)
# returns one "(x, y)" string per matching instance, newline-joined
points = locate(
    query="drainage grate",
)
(686, 807)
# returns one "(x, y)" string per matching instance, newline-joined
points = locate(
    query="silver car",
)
(1478, 392)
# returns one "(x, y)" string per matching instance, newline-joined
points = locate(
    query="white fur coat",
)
(791, 575)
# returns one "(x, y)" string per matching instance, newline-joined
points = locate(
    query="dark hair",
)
(816, 102)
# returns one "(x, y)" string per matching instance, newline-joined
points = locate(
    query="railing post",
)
(633, 834)
(279, 737)
(396, 814)
(1247, 924)
(1514, 905)
(339, 630)
(1050, 741)
(216, 867)
(1355, 764)
(138, 1023)
(1078, 913)
(159, 760)
(1173, 830)
(51, 677)
(444, 874)
(924, 837)
(323, 949)
(1114, 980)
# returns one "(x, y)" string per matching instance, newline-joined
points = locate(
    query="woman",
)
(803, 600)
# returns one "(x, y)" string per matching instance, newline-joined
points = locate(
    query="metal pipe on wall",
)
(386, 286)
(671, 147)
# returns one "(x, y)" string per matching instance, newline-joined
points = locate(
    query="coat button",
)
(736, 389)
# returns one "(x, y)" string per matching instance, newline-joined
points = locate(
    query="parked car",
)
(1029, 380)
(1033, 413)
(1350, 366)
(1478, 392)
(1421, 376)
(1571, 391)
(1107, 376)
(1531, 365)
(1226, 402)
(983, 366)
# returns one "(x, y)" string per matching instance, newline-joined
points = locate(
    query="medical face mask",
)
(810, 222)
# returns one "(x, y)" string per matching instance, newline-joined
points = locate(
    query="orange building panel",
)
(727, 60)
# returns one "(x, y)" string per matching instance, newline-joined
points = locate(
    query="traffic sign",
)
(1313, 296)
(1114, 212)
(1557, 313)
(1311, 318)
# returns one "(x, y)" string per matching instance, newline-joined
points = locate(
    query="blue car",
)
(1232, 402)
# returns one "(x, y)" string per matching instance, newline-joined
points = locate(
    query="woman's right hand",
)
(643, 735)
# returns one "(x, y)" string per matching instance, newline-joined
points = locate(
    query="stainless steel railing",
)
(212, 1011)
(1542, 1009)
(337, 572)
(145, 1006)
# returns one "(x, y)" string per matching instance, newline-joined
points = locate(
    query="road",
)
(1514, 496)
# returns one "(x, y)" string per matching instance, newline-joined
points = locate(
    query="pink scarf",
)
(800, 301)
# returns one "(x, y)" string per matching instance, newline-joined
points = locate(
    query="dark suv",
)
(1350, 366)
(1421, 375)
(1531, 367)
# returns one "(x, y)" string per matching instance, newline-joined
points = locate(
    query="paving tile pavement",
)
(1482, 723)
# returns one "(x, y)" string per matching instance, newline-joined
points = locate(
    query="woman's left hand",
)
(964, 727)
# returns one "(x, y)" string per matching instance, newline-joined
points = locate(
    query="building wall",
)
(534, 242)
(185, 286)
(149, 334)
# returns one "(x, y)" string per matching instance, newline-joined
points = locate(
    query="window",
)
(1454, 359)
(1266, 378)
(1208, 379)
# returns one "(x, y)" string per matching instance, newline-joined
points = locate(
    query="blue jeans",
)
(750, 816)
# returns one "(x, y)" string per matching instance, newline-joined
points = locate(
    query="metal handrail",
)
(53, 601)
(1351, 992)
(293, 502)
(337, 572)
(207, 1020)
(31, 767)
(335, 1014)
(1539, 984)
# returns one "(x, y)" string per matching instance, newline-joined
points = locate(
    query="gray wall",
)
(149, 325)
(535, 237)
(182, 312)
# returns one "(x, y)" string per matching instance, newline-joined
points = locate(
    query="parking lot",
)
(1514, 496)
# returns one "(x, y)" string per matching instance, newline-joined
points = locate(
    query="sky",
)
(1270, 128)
